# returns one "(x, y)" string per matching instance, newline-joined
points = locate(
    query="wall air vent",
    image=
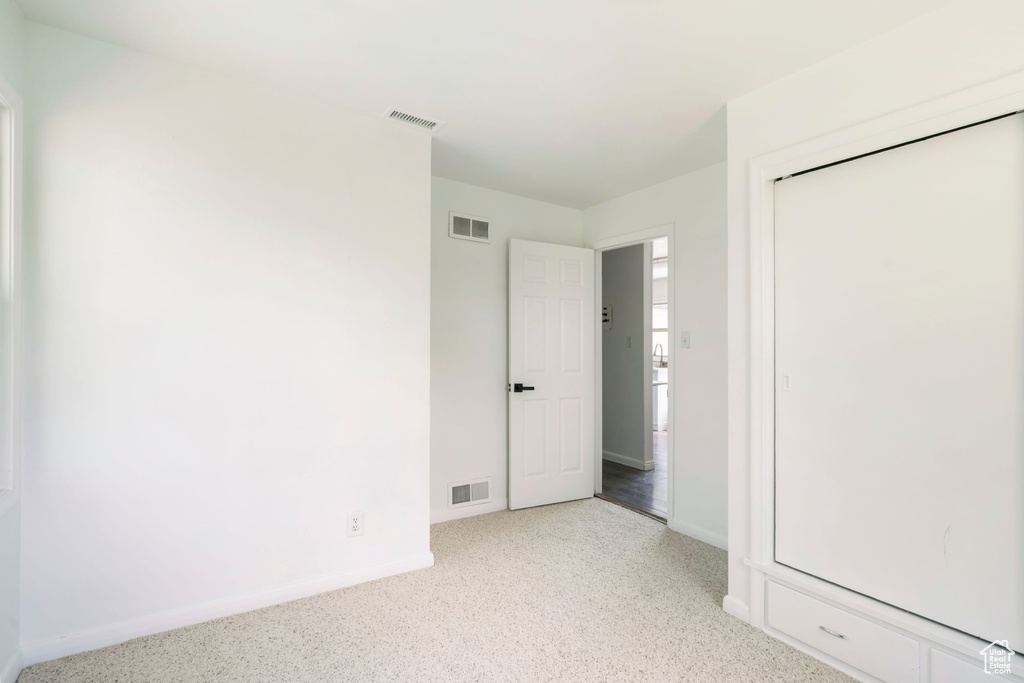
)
(413, 120)
(469, 492)
(465, 227)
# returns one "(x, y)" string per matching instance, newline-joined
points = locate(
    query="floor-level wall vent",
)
(469, 492)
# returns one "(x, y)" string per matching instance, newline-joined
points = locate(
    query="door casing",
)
(599, 247)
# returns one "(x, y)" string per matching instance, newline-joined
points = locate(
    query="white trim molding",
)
(700, 533)
(648, 346)
(736, 608)
(11, 136)
(629, 461)
(73, 643)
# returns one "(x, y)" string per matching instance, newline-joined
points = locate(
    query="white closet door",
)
(900, 377)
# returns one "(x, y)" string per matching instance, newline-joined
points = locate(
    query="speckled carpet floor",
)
(583, 591)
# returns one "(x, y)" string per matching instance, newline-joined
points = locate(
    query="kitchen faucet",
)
(660, 354)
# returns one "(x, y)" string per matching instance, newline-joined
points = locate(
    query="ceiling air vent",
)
(465, 227)
(469, 492)
(413, 120)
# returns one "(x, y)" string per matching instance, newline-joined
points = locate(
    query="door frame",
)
(600, 246)
(11, 136)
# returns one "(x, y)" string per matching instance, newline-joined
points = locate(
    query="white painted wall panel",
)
(900, 325)
(227, 297)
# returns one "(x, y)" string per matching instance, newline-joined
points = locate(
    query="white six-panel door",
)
(551, 356)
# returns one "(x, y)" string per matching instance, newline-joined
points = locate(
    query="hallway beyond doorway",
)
(643, 491)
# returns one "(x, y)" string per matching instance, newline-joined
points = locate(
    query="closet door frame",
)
(968, 107)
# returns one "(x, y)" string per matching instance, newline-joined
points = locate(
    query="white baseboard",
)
(635, 463)
(448, 514)
(736, 608)
(13, 666)
(73, 643)
(700, 533)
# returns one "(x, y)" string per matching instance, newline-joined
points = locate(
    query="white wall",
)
(12, 43)
(12, 37)
(469, 335)
(625, 426)
(210, 270)
(963, 44)
(696, 203)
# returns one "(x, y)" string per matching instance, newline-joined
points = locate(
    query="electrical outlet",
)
(355, 524)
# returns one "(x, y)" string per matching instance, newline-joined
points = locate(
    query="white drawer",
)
(875, 650)
(949, 669)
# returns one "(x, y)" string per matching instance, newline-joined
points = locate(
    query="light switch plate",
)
(684, 340)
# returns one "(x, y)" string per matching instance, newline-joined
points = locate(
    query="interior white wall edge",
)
(447, 515)
(9, 674)
(73, 643)
(703, 535)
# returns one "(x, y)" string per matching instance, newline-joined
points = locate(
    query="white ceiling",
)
(568, 101)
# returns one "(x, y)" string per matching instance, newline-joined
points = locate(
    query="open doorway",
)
(634, 364)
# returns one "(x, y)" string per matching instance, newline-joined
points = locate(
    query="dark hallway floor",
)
(645, 491)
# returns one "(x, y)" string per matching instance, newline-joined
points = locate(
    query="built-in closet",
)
(897, 453)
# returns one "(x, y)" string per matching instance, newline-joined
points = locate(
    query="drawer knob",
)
(832, 633)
